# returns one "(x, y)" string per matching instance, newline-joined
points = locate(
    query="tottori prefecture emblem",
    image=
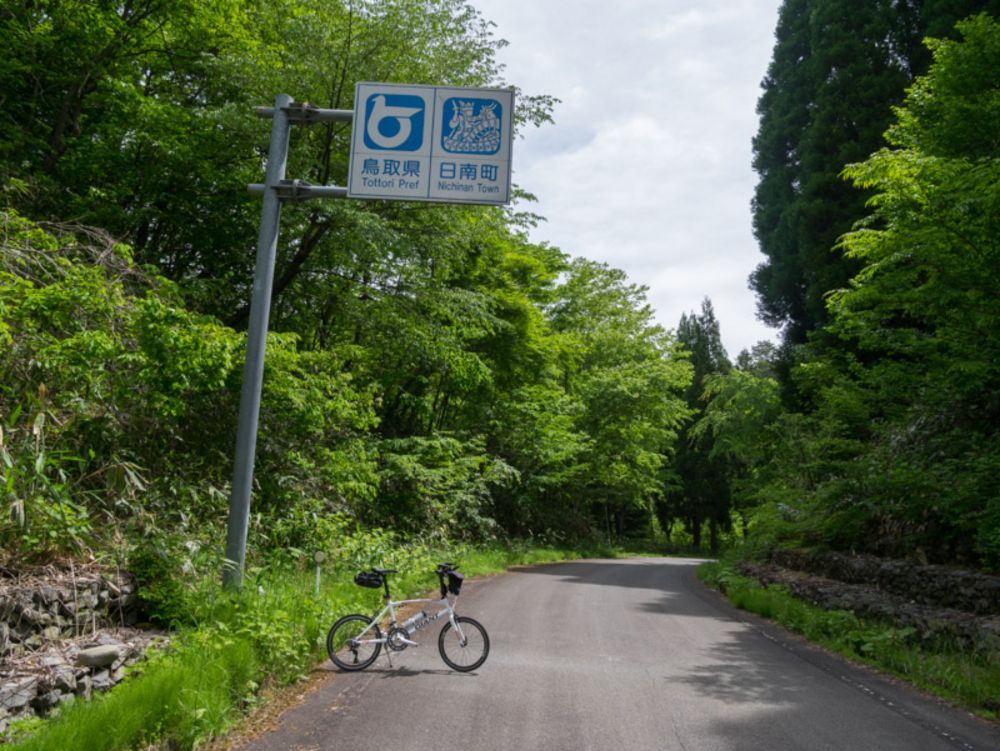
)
(394, 122)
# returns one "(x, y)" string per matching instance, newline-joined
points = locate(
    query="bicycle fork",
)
(462, 640)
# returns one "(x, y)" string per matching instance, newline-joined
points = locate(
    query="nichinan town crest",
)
(473, 126)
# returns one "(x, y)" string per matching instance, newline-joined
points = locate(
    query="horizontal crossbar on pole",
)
(299, 190)
(303, 112)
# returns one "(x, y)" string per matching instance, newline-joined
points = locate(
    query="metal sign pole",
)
(482, 175)
(253, 371)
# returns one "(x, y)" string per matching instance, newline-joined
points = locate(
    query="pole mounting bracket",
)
(298, 190)
(305, 113)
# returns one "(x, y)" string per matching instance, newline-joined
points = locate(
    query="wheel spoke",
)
(346, 633)
(470, 647)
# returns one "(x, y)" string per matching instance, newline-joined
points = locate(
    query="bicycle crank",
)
(398, 640)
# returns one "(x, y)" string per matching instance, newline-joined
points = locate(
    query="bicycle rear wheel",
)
(465, 649)
(355, 636)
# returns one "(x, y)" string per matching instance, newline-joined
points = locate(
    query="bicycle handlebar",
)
(442, 569)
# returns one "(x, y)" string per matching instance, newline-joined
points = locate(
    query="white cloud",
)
(648, 164)
(677, 24)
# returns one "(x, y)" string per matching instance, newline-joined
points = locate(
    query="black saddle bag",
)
(368, 579)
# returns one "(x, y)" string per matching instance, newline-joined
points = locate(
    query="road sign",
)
(411, 143)
(431, 143)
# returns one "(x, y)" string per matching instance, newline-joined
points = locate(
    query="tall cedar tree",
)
(837, 70)
(704, 491)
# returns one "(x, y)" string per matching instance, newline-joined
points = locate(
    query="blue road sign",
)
(431, 143)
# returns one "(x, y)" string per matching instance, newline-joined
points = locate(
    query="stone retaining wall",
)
(967, 629)
(64, 636)
(62, 673)
(933, 586)
(32, 616)
(938, 601)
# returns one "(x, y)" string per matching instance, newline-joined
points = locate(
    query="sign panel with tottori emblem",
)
(431, 143)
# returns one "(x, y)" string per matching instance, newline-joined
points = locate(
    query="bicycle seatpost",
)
(384, 573)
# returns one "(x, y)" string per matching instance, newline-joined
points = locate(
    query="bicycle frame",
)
(448, 606)
(463, 652)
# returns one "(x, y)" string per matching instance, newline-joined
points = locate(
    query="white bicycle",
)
(463, 642)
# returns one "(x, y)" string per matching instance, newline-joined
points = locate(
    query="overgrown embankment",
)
(936, 627)
(940, 602)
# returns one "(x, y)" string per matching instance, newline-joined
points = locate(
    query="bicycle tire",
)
(340, 635)
(468, 656)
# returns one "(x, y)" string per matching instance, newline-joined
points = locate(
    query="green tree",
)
(703, 494)
(837, 69)
(629, 375)
(740, 422)
(923, 312)
(117, 405)
(893, 448)
(429, 368)
(138, 118)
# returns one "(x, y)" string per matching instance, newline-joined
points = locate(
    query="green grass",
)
(967, 678)
(271, 634)
(187, 695)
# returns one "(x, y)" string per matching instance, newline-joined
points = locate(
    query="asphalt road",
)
(625, 654)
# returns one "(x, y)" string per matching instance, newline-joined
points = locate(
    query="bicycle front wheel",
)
(465, 648)
(358, 638)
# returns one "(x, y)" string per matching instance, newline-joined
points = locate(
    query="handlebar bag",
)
(455, 580)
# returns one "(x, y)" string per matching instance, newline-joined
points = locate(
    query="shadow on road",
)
(745, 669)
(654, 573)
(403, 672)
(677, 590)
(778, 698)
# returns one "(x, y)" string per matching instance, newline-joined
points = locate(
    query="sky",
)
(648, 165)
